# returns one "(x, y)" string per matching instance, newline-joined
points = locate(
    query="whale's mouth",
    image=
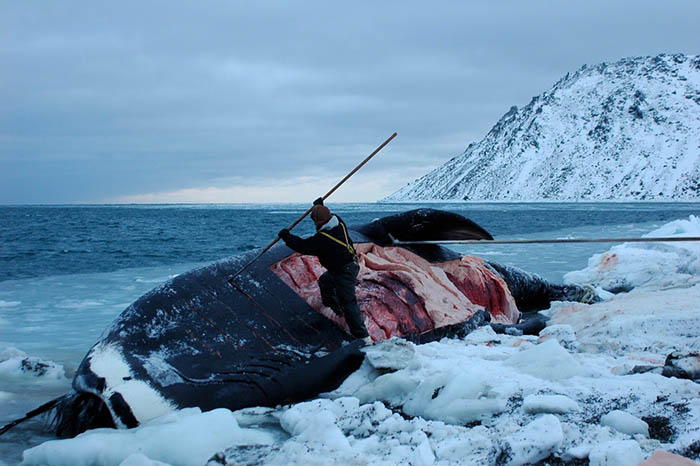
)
(77, 412)
(401, 293)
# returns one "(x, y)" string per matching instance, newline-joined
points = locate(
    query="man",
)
(334, 249)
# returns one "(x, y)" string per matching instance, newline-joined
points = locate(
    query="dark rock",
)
(682, 366)
(660, 428)
(645, 369)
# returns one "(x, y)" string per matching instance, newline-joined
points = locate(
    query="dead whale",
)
(265, 338)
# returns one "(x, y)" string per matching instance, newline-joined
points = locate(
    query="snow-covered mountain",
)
(628, 130)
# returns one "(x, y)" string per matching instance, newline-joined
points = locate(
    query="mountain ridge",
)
(621, 131)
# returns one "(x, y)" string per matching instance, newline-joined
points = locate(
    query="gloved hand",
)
(318, 201)
(283, 233)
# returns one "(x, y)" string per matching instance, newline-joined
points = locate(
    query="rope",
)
(673, 239)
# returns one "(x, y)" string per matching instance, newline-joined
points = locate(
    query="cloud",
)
(360, 188)
(111, 100)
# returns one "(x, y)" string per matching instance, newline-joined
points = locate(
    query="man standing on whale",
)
(335, 251)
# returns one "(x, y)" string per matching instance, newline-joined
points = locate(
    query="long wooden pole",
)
(554, 241)
(361, 164)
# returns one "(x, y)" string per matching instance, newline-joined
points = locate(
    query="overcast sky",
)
(264, 101)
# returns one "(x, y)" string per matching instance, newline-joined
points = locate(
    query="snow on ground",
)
(572, 395)
(187, 437)
(649, 265)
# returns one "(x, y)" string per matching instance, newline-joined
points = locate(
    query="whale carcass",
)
(265, 338)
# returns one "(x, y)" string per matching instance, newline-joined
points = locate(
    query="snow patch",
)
(16, 366)
(647, 265)
(200, 436)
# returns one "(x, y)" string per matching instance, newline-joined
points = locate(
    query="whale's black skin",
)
(201, 341)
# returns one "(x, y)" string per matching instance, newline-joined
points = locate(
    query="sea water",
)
(67, 271)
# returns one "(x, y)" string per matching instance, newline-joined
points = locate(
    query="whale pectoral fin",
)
(470, 230)
(422, 225)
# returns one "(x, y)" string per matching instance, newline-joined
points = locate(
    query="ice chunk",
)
(625, 423)
(187, 437)
(315, 422)
(616, 453)
(564, 334)
(139, 459)
(388, 387)
(555, 404)
(548, 360)
(534, 442)
(392, 354)
(455, 398)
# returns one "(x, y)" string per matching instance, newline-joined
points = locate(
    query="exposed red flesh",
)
(483, 286)
(401, 293)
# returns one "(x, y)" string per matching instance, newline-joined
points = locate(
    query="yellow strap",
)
(350, 249)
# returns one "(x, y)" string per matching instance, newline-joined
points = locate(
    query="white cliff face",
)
(628, 130)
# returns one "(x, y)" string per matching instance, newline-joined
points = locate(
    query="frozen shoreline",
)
(487, 399)
(570, 394)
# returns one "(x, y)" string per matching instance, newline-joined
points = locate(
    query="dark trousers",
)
(338, 293)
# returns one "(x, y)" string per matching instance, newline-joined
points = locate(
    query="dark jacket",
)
(332, 255)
